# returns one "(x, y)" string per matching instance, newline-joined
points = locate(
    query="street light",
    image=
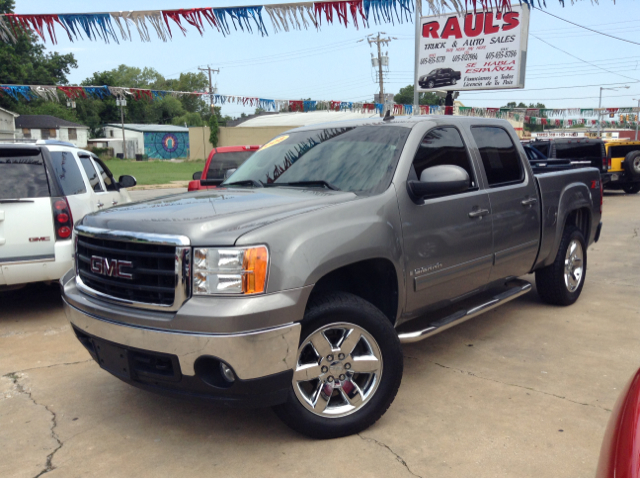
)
(637, 117)
(600, 104)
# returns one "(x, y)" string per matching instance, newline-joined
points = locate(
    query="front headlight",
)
(230, 270)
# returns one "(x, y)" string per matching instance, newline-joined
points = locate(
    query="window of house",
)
(26, 132)
(110, 133)
(44, 134)
(73, 134)
(499, 155)
(442, 146)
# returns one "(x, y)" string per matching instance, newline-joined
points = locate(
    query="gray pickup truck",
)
(294, 284)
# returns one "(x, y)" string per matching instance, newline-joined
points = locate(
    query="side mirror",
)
(229, 172)
(197, 175)
(127, 181)
(440, 181)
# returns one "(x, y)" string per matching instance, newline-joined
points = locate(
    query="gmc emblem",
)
(107, 267)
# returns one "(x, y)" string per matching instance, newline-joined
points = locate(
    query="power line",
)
(584, 61)
(587, 28)
(547, 88)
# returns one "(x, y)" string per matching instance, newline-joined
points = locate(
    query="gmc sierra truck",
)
(294, 284)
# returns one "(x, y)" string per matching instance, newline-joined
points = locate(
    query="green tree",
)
(405, 97)
(214, 130)
(26, 63)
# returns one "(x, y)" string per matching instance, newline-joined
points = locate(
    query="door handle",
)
(114, 202)
(100, 205)
(478, 213)
(529, 202)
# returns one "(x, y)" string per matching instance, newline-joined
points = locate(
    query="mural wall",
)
(165, 146)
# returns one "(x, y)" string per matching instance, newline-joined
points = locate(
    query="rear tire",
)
(631, 188)
(328, 398)
(561, 282)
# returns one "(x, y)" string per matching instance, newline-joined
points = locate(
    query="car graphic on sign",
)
(439, 77)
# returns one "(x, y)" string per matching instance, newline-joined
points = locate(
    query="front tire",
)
(348, 371)
(431, 84)
(561, 282)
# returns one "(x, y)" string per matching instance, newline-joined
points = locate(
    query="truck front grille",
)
(148, 271)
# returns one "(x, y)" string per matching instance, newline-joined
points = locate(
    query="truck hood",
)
(215, 217)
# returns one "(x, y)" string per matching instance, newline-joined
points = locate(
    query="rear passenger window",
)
(499, 155)
(92, 174)
(443, 146)
(67, 171)
(221, 162)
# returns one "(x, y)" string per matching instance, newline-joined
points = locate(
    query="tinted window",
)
(221, 162)
(106, 175)
(67, 171)
(442, 146)
(22, 174)
(358, 159)
(542, 147)
(92, 174)
(499, 155)
(622, 151)
(579, 150)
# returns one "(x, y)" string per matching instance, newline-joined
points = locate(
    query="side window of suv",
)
(67, 171)
(106, 175)
(92, 174)
(442, 146)
(499, 155)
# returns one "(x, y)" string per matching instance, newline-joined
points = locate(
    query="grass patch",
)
(155, 172)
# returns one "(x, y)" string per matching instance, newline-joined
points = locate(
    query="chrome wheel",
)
(573, 266)
(338, 370)
(636, 165)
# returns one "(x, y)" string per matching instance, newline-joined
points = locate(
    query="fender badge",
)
(39, 239)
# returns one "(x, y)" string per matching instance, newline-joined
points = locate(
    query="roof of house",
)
(10, 112)
(45, 121)
(304, 119)
(150, 128)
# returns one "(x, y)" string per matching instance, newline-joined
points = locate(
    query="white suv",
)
(43, 189)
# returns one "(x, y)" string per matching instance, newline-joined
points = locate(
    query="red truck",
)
(221, 160)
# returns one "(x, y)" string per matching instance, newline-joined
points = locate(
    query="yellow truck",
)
(625, 165)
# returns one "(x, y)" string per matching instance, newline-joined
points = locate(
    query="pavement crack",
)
(398, 458)
(519, 386)
(48, 467)
(49, 366)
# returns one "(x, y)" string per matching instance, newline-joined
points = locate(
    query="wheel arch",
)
(374, 280)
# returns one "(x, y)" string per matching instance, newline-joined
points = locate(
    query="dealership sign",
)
(473, 51)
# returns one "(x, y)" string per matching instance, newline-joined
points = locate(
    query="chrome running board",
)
(515, 289)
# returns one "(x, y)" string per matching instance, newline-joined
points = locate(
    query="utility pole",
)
(210, 70)
(122, 103)
(380, 61)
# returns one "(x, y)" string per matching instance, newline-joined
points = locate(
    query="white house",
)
(161, 142)
(7, 124)
(47, 127)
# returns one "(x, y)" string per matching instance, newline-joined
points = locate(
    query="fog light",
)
(227, 373)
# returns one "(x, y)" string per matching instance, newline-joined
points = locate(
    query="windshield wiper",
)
(307, 183)
(16, 201)
(255, 183)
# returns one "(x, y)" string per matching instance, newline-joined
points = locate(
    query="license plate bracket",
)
(112, 358)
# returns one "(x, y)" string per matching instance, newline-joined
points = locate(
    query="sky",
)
(331, 64)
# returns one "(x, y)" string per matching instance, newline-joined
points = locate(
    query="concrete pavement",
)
(525, 390)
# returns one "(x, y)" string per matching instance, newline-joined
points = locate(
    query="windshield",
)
(578, 150)
(221, 162)
(359, 159)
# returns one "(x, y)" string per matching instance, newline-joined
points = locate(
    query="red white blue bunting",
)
(120, 26)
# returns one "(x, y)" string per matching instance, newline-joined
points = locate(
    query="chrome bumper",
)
(252, 354)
